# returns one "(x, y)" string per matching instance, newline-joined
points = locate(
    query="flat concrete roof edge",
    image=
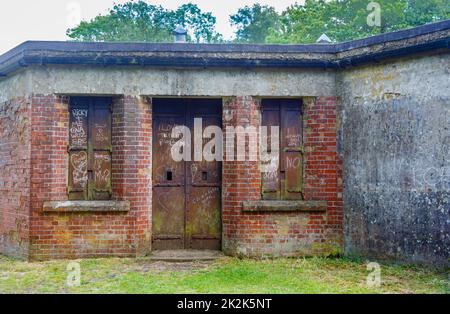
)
(237, 55)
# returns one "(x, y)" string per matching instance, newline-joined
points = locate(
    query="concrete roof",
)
(397, 44)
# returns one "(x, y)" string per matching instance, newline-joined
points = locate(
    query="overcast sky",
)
(22, 20)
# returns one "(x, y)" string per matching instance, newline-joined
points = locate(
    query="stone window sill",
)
(284, 206)
(86, 206)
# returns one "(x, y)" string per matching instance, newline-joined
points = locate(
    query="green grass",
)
(227, 275)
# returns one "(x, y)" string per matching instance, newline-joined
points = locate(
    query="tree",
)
(425, 11)
(302, 23)
(140, 21)
(344, 20)
(254, 23)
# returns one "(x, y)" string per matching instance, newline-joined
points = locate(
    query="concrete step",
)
(185, 255)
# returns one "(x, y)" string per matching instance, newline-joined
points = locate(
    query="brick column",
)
(241, 179)
(323, 167)
(132, 163)
(49, 234)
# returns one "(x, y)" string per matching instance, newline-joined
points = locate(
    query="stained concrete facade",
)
(396, 130)
(82, 80)
(380, 106)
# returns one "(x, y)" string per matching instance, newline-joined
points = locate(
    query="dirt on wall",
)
(14, 177)
(396, 159)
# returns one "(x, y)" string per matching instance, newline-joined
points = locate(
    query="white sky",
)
(22, 20)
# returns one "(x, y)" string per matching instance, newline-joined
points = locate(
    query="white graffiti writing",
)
(79, 166)
(77, 131)
(293, 163)
(100, 133)
(101, 175)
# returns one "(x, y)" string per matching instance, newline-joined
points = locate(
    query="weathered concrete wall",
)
(15, 177)
(15, 86)
(396, 126)
(171, 82)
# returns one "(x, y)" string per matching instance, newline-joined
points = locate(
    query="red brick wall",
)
(15, 177)
(76, 235)
(132, 164)
(285, 234)
(241, 181)
(323, 168)
(28, 184)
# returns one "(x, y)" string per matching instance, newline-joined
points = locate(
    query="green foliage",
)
(341, 20)
(140, 21)
(254, 23)
(344, 20)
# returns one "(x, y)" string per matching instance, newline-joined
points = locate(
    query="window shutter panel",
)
(286, 181)
(292, 150)
(90, 149)
(101, 150)
(271, 177)
(78, 150)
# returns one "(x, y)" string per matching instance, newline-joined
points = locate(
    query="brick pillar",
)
(241, 179)
(49, 166)
(323, 166)
(132, 163)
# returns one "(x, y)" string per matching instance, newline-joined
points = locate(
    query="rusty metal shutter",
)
(90, 148)
(285, 182)
(291, 149)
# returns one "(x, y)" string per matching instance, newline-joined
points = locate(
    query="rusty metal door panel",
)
(203, 228)
(166, 171)
(286, 181)
(203, 223)
(168, 217)
(186, 194)
(169, 199)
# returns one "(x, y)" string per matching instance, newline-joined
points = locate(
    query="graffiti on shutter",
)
(78, 150)
(271, 177)
(291, 147)
(284, 181)
(89, 149)
(101, 151)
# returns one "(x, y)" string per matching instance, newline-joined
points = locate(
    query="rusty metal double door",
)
(186, 194)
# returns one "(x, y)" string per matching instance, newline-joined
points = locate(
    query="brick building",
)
(85, 137)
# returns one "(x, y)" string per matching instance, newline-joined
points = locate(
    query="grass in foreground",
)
(227, 275)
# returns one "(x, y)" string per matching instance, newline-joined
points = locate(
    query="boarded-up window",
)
(284, 179)
(90, 148)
